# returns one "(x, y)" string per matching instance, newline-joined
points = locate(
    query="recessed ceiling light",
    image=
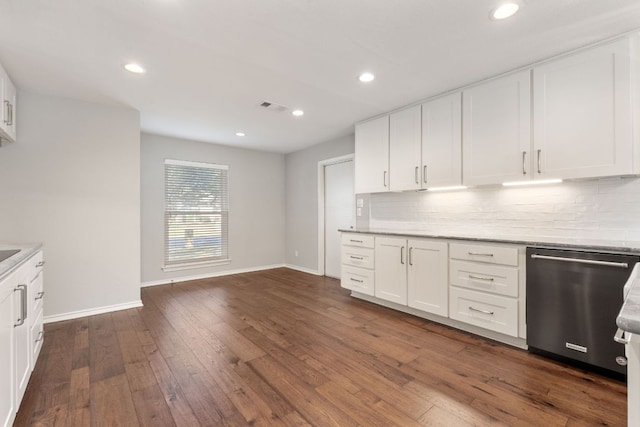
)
(132, 67)
(297, 113)
(239, 133)
(504, 11)
(366, 77)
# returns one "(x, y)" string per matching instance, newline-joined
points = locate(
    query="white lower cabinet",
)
(358, 263)
(391, 269)
(21, 333)
(475, 283)
(427, 278)
(486, 287)
(7, 371)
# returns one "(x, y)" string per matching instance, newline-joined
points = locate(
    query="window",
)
(196, 214)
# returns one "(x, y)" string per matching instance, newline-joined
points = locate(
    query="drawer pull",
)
(480, 254)
(359, 258)
(40, 264)
(486, 279)
(39, 296)
(356, 280)
(355, 241)
(40, 336)
(490, 313)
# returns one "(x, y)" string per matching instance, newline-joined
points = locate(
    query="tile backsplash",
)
(607, 209)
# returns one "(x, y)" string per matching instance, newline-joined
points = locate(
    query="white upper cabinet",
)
(442, 141)
(404, 149)
(582, 114)
(372, 156)
(8, 107)
(496, 130)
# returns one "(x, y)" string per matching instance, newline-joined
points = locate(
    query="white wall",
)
(606, 209)
(302, 199)
(256, 206)
(71, 181)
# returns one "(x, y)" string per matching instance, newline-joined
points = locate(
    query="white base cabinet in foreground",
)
(21, 333)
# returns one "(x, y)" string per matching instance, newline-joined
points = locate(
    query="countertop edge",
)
(629, 317)
(541, 243)
(12, 263)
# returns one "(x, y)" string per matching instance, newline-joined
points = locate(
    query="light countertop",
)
(629, 318)
(619, 246)
(13, 262)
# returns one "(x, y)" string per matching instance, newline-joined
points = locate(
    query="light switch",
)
(360, 203)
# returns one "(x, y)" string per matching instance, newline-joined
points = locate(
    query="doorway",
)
(337, 210)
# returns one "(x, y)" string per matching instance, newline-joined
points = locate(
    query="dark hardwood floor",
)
(281, 347)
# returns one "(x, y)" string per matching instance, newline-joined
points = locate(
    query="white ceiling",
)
(211, 62)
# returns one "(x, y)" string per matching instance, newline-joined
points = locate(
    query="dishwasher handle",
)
(582, 261)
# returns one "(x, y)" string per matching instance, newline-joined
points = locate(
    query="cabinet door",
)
(496, 131)
(583, 114)
(10, 105)
(391, 269)
(372, 156)
(22, 350)
(7, 373)
(404, 149)
(442, 142)
(428, 287)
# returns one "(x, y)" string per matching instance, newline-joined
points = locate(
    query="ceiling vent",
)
(271, 106)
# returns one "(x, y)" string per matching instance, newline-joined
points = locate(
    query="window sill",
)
(193, 265)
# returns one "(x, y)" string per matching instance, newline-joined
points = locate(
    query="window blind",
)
(196, 212)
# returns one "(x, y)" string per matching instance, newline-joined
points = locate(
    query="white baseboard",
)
(209, 275)
(303, 269)
(91, 311)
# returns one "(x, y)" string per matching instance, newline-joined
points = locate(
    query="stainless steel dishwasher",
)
(573, 298)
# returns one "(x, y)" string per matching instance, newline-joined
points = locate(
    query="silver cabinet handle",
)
(41, 263)
(356, 280)
(23, 305)
(40, 336)
(410, 256)
(424, 174)
(581, 261)
(490, 313)
(402, 255)
(539, 164)
(479, 254)
(7, 107)
(39, 296)
(486, 279)
(359, 258)
(524, 163)
(415, 175)
(620, 337)
(11, 116)
(384, 178)
(351, 240)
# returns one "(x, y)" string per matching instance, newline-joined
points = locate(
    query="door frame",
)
(321, 204)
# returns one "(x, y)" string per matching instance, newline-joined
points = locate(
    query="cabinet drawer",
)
(485, 253)
(36, 293)
(362, 240)
(499, 314)
(496, 279)
(36, 338)
(357, 279)
(358, 257)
